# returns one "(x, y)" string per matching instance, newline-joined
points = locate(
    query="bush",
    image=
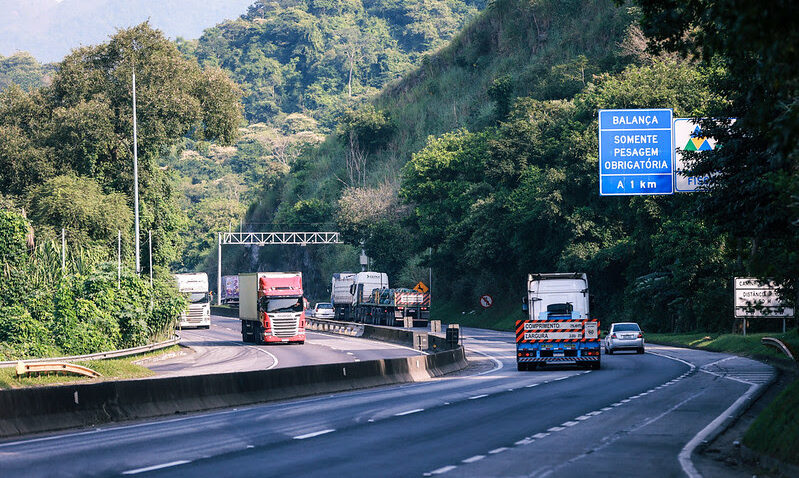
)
(22, 336)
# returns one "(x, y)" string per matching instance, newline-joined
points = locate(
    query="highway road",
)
(220, 349)
(638, 416)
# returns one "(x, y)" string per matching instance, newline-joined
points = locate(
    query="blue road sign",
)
(636, 151)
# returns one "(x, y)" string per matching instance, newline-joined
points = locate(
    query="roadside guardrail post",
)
(453, 335)
(420, 340)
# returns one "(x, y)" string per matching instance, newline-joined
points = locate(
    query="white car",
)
(624, 336)
(323, 310)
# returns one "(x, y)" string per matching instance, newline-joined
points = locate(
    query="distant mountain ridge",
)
(49, 29)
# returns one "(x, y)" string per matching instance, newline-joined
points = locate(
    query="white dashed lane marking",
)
(474, 459)
(415, 410)
(156, 467)
(314, 434)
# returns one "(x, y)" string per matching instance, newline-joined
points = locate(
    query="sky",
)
(50, 29)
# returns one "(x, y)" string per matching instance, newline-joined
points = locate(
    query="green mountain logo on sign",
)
(698, 142)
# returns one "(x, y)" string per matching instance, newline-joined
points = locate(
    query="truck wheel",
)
(596, 366)
(522, 367)
(258, 333)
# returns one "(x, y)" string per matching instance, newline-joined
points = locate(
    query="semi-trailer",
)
(272, 307)
(394, 307)
(349, 291)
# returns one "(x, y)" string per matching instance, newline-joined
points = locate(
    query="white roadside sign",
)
(758, 298)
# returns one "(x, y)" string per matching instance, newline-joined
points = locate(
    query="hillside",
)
(481, 163)
(22, 69)
(317, 57)
(499, 56)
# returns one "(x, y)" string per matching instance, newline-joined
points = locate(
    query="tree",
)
(82, 125)
(754, 189)
(79, 205)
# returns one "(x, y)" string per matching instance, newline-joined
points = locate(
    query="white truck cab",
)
(194, 288)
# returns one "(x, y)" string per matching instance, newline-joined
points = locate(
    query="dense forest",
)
(482, 164)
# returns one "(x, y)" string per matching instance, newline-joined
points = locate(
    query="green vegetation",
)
(754, 188)
(23, 70)
(775, 432)
(48, 311)
(111, 369)
(315, 56)
(729, 343)
(502, 317)
(66, 162)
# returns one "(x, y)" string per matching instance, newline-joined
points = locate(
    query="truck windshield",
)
(195, 297)
(289, 304)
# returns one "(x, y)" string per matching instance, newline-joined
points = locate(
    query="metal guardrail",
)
(779, 345)
(100, 355)
(29, 368)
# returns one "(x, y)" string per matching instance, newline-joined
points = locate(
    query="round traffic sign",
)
(486, 301)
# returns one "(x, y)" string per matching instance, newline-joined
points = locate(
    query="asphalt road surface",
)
(220, 349)
(637, 416)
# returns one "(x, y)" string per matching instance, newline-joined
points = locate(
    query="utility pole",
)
(63, 250)
(135, 170)
(119, 259)
(150, 234)
(219, 270)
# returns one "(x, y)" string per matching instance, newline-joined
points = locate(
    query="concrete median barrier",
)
(32, 410)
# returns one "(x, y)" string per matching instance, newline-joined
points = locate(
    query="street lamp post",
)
(135, 175)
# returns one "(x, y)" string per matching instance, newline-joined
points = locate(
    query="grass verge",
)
(735, 344)
(111, 369)
(775, 432)
(494, 318)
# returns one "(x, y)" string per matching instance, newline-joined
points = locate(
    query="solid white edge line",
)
(497, 363)
(314, 434)
(155, 467)
(478, 396)
(274, 358)
(685, 454)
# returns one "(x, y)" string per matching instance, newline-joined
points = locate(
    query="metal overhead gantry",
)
(268, 238)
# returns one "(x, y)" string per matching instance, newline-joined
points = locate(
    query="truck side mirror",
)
(525, 305)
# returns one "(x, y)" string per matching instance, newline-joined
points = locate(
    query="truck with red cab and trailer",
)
(557, 328)
(272, 307)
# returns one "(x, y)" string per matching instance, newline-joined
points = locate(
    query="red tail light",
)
(612, 336)
(640, 335)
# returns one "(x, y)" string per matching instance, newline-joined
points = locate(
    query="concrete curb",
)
(33, 410)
